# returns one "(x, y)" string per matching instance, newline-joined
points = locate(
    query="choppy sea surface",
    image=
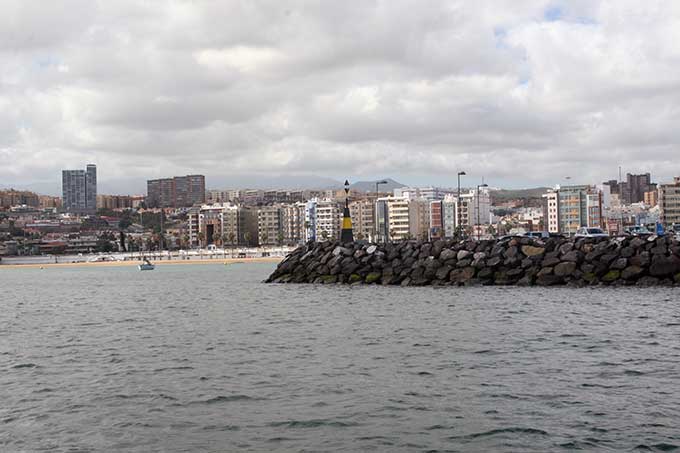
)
(208, 358)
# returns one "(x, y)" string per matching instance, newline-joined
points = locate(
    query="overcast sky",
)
(522, 92)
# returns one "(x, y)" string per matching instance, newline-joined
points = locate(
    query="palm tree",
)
(216, 238)
(201, 237)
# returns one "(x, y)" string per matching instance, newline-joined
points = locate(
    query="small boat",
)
(146, 265)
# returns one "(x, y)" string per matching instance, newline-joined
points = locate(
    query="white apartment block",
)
(669, 203)
(327, 222)
(475, 207)
(213, 224)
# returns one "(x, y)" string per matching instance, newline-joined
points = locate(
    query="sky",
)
(521, 93)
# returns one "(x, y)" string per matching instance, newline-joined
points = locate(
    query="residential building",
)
(636, 186)
(79, 190)
(293, 223)
(270, 225)
(475, 207)
(49, 202)
(114, 202)
(9, 198)
(419, 218)
(428, 193)
(213, 224)
(669, 202)
(175, 192)
(567, 208)
(392, 218)
(651, 198)
(633, 189)
(443, 217)
(328, 220)
(362, 213)
(248, 228)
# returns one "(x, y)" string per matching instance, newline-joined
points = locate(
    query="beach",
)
(223, 261)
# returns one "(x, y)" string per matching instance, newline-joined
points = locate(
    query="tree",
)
(232, 238)
(246, 237)
(124, 223)
(216, 238)
(265, 238)
(201, 238)
(324, 234)
(279, 238)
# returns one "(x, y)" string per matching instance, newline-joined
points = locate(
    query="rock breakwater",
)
(512, 261)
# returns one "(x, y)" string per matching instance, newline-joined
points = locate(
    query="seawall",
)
(515, 261)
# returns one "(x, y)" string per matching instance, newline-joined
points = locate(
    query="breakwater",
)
(511, 261)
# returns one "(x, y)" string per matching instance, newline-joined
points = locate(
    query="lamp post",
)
(460, 173)
(480, 185)
(375, 207)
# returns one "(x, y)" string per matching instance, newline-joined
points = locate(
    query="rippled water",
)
(207, 358)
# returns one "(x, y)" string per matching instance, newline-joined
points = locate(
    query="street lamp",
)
(377, 183)
(480, 185)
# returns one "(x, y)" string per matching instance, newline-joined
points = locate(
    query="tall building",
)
(669, 202)
(176, 192)
(79, 190)
(419, 218)
(475, 207)
(392, 218)
(270, 225)
(443, 217)
(293, 223)
(652, 198)
(633, 189)
(568, 208)
(328, 220)
(213, 224)
(636, 186)
(362, 213)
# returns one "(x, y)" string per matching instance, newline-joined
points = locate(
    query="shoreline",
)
(222, 261)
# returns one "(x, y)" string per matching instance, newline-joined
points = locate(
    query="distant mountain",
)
(291, 182)
(513, 194)
(369, 186)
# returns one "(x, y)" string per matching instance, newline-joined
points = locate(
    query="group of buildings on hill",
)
(196, 217)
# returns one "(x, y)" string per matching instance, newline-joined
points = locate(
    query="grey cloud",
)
(336, 89)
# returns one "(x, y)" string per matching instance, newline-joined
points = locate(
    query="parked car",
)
(638, 230)
(537, 234)
(587, 232)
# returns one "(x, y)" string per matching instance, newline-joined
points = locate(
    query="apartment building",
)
(392, 218)
(568, 208)
(293, 223)
(328, 220)
(175, 192)
(213, 224)
(362, 213)
(443, 217)
(669, 203)
(270, 225)
(79, 190)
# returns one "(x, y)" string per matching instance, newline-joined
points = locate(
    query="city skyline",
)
(520, 94)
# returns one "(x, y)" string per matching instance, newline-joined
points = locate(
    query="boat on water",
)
(146, 265)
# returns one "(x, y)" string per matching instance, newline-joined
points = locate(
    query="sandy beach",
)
(222, 261)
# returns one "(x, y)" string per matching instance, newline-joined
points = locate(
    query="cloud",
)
(523, 93)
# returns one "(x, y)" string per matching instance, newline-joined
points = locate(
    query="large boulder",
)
(530, 250)
(565, 268)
